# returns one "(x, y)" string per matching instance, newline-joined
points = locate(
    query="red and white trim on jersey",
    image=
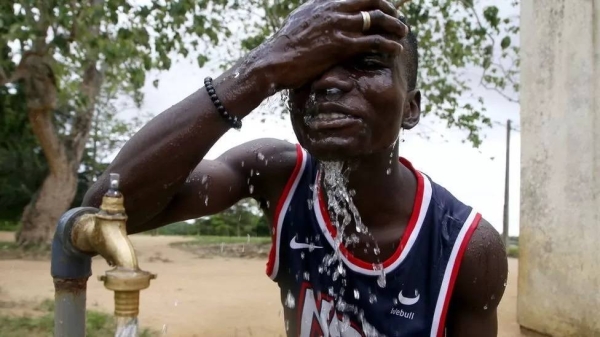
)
(282, 205)
(413, 228)
(452, 268)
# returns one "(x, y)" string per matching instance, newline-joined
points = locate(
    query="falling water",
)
(341, 207)
(342, 211)
(127, 327)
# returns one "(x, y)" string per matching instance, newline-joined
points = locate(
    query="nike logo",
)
(297, 245)
(409, 300)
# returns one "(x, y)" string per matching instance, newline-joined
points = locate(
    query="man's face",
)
(355, 108)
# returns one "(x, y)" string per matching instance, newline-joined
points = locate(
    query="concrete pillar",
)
(559, 264)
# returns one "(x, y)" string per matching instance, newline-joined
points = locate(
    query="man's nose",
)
(335, 81)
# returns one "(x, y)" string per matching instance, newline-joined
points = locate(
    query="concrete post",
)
(559, 264)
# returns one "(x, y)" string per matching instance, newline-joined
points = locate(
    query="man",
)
(420, 263)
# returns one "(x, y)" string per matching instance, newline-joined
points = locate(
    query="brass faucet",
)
(105, 233)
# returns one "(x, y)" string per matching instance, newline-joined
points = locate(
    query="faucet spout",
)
(105, 233)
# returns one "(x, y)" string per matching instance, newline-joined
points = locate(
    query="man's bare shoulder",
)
(483, 273)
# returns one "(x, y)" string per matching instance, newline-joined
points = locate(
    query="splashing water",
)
(342, 207)
(127, 327)
(342, 211)
(290, 301)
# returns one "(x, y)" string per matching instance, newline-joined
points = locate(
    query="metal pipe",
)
(70, 269)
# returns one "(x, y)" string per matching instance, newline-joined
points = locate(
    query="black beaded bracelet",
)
(232, 120)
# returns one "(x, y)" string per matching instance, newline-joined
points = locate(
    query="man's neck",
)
(385, 188)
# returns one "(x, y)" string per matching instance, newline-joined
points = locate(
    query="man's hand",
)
(322, 33)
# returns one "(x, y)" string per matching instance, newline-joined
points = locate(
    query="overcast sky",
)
(470, 174)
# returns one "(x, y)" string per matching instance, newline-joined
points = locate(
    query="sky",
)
(475, 176)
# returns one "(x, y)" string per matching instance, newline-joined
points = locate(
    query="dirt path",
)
(193, 296)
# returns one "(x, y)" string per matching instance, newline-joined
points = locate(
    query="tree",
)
(65, 52)
(454, 35)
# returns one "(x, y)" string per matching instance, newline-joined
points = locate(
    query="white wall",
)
(559, 270)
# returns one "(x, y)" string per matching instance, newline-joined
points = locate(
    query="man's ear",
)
(412, 110)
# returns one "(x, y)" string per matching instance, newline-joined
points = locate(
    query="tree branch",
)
(16, 75)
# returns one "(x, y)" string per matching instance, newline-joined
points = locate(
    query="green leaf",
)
(202, 59)
(505, 43)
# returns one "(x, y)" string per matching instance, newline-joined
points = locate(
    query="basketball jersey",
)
(419, 275)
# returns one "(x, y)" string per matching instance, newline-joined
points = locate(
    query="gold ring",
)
(366, 21)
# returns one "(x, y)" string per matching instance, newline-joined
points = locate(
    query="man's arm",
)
(479, 286)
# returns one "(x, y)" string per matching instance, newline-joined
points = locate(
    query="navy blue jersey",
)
(419, 276)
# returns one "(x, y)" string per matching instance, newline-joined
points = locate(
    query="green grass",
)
(98, 324)
(513, 251)
(9, 226)
(208, 240)
(11, 250)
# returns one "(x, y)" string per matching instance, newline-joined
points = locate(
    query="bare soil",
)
(198, 292)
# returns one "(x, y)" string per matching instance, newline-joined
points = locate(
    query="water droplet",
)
(237, 74)
(376, 250)
(310, 203)
(372, 298)
(381, 280)
(164, 330)
(320, 269)
(242, 163)
(204, 179)
(206, 201)
(485, 307)
(356, 294)
(505, 284)
(251, 188)
(302, 255)
(395, 301)
(257, 173)
(251, 172)
(493, 297)
(260, 156)
(330, 291)
(388, 171)
(306, 276)
(268, 204)
(290, 301)
(287, 325)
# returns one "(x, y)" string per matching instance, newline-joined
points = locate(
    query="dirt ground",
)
(194, 296)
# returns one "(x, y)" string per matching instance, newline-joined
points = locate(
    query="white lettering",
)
(402, 313)
(326, 326)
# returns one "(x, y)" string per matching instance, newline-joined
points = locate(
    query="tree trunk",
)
(45, 208)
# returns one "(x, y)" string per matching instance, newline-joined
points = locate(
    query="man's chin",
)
(334, 150)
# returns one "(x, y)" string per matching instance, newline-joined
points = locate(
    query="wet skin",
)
(163, 171)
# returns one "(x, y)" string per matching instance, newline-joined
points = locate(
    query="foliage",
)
(455, 38)
(513, 251)
(124, 38)
(98, 324)
(66, 52)
(22, 165)
(241, 220)
(7, 225)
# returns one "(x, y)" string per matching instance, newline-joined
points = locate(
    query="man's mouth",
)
(330, 120)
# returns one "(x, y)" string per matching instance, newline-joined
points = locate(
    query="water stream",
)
(342, 212)
(127, 327)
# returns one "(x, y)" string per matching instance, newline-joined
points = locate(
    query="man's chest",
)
(323, 296)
